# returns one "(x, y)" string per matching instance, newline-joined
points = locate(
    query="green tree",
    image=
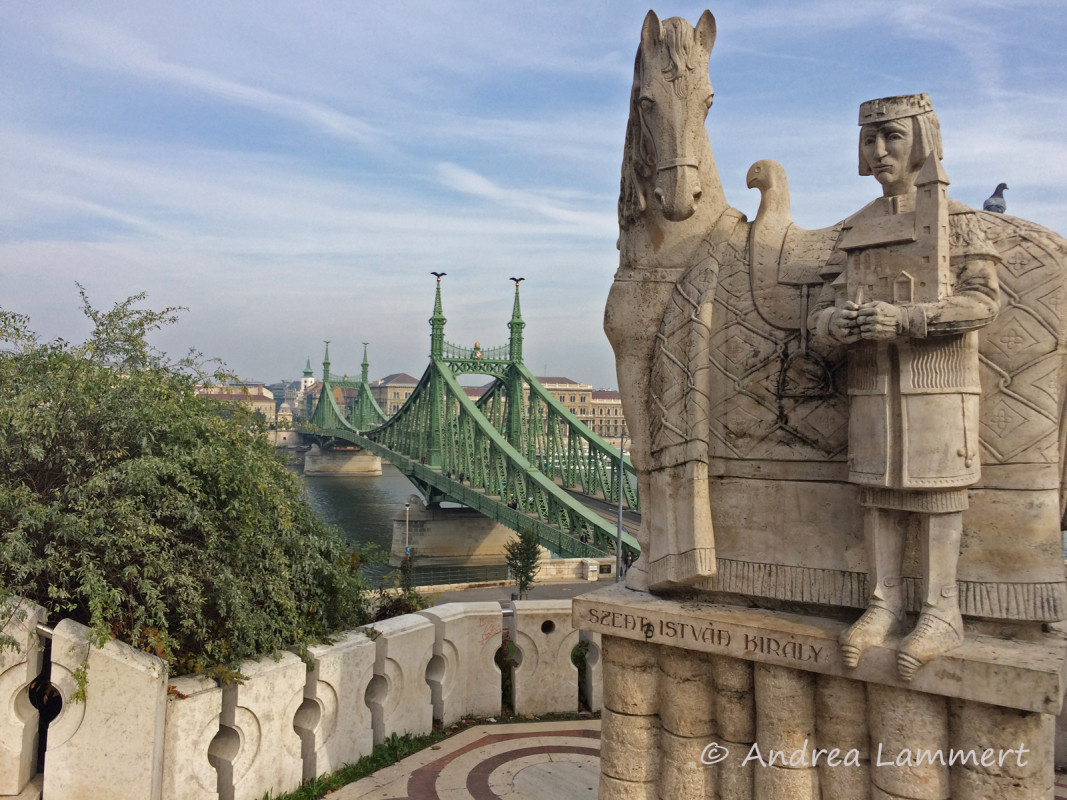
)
(134, 505)
(523, 557)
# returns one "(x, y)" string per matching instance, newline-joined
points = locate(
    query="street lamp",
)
(407, 544)
(618, 533)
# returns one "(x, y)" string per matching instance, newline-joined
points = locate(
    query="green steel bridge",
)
(511, 455)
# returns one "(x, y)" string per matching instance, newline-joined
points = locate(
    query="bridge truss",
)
(511, 455)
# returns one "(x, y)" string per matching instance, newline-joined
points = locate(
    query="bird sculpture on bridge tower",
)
(995, 202)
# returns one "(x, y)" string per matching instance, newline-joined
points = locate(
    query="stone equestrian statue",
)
(888, 392)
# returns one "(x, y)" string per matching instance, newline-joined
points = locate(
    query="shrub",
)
(130, 503)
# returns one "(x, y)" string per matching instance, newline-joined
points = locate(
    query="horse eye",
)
(709, 99)
(646, 103)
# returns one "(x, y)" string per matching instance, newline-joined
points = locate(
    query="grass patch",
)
(397, 748)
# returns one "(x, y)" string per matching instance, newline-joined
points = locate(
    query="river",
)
(362, 507)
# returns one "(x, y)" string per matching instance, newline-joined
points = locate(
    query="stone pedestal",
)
(341, 462)
(708, 700)
(448, 537)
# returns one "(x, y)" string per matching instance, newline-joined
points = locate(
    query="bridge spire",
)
(326, 363)
(366, 364)
(515, 326)
(437, 322)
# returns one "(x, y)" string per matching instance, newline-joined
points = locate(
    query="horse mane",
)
(639, 150)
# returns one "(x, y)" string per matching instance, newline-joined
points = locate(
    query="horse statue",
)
(733, 409)
(672, 214)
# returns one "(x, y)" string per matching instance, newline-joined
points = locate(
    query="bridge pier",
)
(341, 462)
(448, 537)
(285, 438)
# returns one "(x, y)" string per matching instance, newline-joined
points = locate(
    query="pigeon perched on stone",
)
(995, 202)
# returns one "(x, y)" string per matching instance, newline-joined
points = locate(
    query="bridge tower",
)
(514, 382)
(437, 390)
(366, 413)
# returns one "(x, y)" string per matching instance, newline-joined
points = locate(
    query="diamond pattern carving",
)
(1014, 338)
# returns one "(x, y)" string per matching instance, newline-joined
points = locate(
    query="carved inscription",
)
(789, 648)
(682, 634)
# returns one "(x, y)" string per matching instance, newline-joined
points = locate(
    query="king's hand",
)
(879, 320)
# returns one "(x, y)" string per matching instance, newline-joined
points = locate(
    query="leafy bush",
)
(407, 600)
(150, 513)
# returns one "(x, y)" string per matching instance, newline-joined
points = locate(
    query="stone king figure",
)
(912, 279)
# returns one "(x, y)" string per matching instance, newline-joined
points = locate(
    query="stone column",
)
(687, 708)
(545, 680)
(110, 745)
(463, 675)
(334, 721)
(785, 733)
(194, 709)
(1012, 752)
(904, 723)
(629, 746)
(261, 712)
(593, 679)
(841, 723)
(19, 665)
(735, 717)
(398, 695)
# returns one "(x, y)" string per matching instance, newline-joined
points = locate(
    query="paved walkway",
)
(524, 761)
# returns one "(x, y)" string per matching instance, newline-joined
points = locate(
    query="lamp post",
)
(407, 544)
(618, 533)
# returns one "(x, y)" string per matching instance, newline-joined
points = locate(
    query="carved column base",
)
(706, 700)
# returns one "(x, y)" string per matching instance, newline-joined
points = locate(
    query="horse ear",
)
(705, 31)
(651, 31)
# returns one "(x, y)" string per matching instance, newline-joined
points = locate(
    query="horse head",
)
(669, 102)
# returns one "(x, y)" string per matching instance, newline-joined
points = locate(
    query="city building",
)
(599, 410)
(391, 391)
(254, 395)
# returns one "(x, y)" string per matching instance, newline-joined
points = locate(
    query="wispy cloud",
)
(294, 176)
(105, 47)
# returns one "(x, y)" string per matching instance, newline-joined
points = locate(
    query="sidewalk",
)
(539, 591)
(524, 761)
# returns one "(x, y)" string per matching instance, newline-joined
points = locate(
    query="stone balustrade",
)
(143, 735)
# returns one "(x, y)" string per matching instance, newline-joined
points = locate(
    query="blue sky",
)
(292, 172)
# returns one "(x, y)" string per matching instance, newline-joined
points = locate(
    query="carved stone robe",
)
(913, 400)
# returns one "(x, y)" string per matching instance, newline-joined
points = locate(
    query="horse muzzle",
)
(678, 188)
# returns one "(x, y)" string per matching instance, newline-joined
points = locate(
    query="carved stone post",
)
(1012, 752)
(629, 746)
(687, 701)
(903, 724)
(785, 724)
(735, 715)
(841, 722)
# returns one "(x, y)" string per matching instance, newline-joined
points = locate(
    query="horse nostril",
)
(658, 194)
(696, 196)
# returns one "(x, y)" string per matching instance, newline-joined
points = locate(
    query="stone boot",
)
(878, 622)
(940, 625)
(884, 616)
(937, 632)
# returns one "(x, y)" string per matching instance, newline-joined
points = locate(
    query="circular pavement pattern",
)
(558, 764)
